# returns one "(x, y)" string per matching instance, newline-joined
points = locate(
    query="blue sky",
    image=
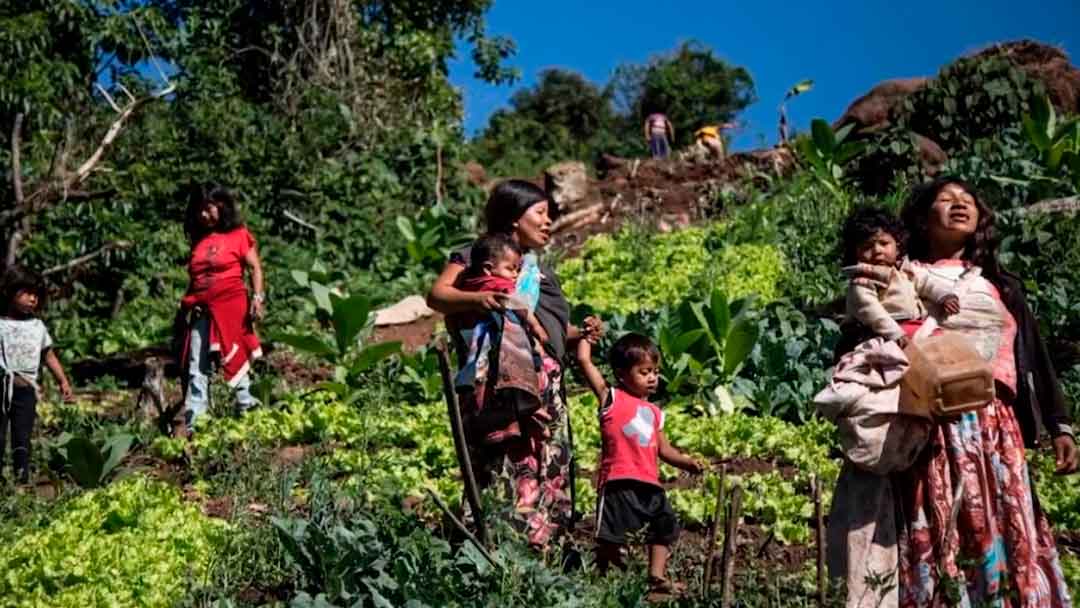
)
(845, 47)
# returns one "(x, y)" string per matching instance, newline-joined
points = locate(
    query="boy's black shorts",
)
(628, 506)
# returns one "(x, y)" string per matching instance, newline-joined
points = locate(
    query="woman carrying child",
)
(24, 339)
(997, 548)
(216, 314)
(538, 461)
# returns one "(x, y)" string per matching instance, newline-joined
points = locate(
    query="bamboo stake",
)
(819, 539)
(710, 543)
(727, 560)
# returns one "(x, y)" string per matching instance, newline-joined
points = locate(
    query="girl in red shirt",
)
(216, 310)
(632, 440)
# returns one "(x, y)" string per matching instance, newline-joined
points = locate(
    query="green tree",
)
(691, 86)
(562, 116)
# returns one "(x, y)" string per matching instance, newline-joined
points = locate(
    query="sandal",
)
(662, 589)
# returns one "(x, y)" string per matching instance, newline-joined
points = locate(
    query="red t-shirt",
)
(218, 259)
(629, 438)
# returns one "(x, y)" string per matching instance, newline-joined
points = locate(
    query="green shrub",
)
(135, 543)
(632, 271)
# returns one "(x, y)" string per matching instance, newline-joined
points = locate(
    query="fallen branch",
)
(469, 535)
(82, 259)
(1069, 204)
(289, 215)
(573, 217)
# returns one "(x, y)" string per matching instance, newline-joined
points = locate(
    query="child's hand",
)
(66, 393)
(694, 466)
(593, 329)
(951, 304)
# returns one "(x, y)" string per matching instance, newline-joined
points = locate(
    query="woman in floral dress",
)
(1000, 551)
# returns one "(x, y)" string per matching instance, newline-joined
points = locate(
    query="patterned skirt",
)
(999, 550)
(535, 468)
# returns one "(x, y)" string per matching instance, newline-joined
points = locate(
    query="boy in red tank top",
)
(632, 438)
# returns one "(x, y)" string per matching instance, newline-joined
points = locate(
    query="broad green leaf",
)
(350, 316)
(117, 448)
(842, 133)
(84, 462)
(823, 136)
(721, 315)
(1036, 134)
(684, 341)
(373, 354)
(740, 342)
(321, 293)
(305, 343)
(404, 226)
(300, 277)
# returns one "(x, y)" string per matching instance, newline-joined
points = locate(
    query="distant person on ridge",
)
(217, 315)
(659, 133)
(709, 142)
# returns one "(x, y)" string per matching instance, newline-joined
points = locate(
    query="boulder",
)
(872, 110)
(567, 182)
(931, 156)
(406, 311)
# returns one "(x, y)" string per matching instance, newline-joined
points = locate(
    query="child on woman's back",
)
(23, 341)
(886, 288)
(631, 430)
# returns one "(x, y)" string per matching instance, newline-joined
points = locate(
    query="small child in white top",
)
(24, 339)
(886, 288)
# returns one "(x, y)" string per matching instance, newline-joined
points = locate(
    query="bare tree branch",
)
(82, 259)
(110, 136)
(16, 160)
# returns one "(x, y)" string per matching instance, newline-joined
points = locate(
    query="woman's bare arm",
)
(258, 302)
(447, 299)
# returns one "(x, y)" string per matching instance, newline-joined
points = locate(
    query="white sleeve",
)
(46, 338)
(864, 306)
(928, 286)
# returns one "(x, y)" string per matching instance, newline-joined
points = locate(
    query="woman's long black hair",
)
(509, 201)
(981, 248)
(228, 218)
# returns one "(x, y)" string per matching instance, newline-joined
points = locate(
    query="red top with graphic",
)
(629, 437)
(218, 260)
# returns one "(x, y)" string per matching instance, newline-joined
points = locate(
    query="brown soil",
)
(294, 371)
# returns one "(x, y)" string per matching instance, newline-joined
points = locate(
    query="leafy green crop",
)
(134, 543)
(632, 271)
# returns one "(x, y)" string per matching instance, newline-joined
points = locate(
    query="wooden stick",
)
(727, 560)
(710, 542)
(819, 539)
(472, 491)
(461, 526)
